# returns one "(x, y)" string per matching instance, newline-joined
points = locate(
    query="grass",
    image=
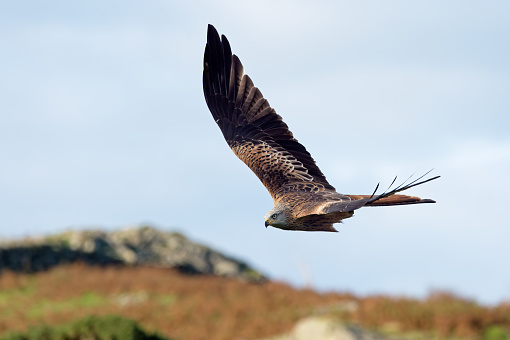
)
(208, 307)
(107, 327)
(87, 300)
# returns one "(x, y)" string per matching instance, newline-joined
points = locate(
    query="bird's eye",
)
(274, 216)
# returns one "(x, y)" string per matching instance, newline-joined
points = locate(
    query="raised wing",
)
(252, 129)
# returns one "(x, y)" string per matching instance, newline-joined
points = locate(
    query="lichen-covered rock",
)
(132, 246)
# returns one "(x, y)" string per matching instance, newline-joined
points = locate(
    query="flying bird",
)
(303, 198)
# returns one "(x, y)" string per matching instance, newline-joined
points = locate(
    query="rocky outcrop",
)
(327, 328)
(134, 246)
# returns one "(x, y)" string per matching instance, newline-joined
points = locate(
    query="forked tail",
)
(389, 197)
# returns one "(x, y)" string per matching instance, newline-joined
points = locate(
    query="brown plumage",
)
(303, 198)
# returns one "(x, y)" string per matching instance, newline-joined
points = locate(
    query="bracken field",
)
(207, 307)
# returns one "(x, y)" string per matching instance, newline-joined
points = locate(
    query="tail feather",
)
(389, 197)
(392, 200)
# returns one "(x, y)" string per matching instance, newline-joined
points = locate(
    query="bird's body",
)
(303, 198)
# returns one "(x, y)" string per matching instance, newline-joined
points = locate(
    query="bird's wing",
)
(321, 222)
(252, 129)
(391, 200)
(338, 203)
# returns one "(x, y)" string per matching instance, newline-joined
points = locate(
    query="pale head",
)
(278, 217)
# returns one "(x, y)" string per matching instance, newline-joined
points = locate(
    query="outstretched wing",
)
(252, 129)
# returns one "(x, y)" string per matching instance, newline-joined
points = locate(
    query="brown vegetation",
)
(208, 307)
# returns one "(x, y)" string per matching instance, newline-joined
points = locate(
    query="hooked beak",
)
(266, 223)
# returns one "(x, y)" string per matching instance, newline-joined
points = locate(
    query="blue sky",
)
(103, 124)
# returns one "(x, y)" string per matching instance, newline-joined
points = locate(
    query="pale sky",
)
(103, 124)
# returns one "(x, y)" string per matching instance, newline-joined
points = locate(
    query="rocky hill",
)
(135, 246)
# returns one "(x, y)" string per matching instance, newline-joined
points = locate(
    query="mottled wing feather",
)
(251, 127)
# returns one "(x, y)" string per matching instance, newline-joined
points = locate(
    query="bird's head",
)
(277, 217)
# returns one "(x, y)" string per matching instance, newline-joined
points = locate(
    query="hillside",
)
(182, 306)
(210, 307)
(137, 246)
